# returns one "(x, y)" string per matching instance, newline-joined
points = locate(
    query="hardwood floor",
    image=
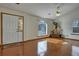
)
(42, 47)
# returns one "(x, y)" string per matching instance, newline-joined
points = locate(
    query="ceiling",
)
(45, 10)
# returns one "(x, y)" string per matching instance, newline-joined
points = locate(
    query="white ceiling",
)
(45, 10)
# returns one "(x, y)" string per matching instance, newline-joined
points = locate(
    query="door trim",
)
(2, 26)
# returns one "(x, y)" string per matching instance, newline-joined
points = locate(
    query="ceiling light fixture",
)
(49, 13)
(58, 11)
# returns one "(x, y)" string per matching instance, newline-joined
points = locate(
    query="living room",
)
(28, 25)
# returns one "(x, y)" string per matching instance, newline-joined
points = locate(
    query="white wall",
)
(0, 29)
(30, 23)
(66, 23)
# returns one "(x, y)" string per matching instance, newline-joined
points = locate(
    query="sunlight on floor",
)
(65, 42)
(42, 48)
(75, 51)
(55, 41)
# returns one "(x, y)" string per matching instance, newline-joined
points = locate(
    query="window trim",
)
(75, 25)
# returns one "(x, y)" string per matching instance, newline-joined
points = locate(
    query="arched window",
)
(42, 28)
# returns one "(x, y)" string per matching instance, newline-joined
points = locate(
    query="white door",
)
(10, 29)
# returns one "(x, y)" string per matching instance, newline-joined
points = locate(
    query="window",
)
(42, 28)
(75, 26)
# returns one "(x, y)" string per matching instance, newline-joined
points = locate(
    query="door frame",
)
(2, 26)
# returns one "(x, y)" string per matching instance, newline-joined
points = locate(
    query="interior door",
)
(11, 29)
